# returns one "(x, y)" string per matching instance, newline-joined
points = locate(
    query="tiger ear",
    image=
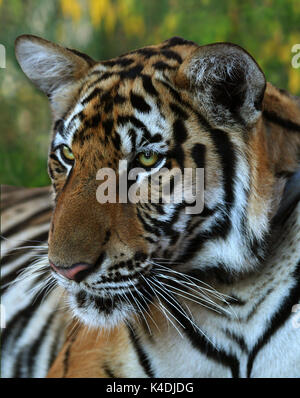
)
(53, 69)
(226, 82)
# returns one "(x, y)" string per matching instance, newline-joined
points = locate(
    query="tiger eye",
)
(68, 154)
(148, 159)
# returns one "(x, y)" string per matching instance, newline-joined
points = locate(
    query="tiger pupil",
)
(148, 159)
(68, 153)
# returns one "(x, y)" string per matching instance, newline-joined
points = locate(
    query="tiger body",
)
(162, 292)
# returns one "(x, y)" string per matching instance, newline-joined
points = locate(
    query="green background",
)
(105, 28)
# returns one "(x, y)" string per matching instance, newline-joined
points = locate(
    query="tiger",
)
(150, 289)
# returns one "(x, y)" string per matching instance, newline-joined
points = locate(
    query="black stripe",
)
(95, 93)
(22, 199)
(177, 41)
(132, 135)
(119, 99)
(37, 343)
(5, 282)
(59, 126)
(285, 123)
(234, 300)
(175, 94)
(131, 73)
(103, 76)
(107, 369)
(25, 222)
(67, 356)
(138, 102)
(150, 240)
(14, 254)
(256, 306)
(23, 316)
(108, 125)
(19, 370)
(107, 100)
(86, 57)
(278, 319)
(172, 55)
(122, 61)
(179, 132)
(178, 154)
(198, 155)
(116, 139)
(116, 278)
(122, 120)
(54, 157)
(237, 339)
(142, 356)
(201, 343)
(147, 52)
(155, 223)
(54, 348)
(158, 207)
(80, 116)
(160, 65)
(179, 112)
(219, 272)
(92, 122)
(148, 86)
(226, 154)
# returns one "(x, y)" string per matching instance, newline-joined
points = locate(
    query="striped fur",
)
(34, 319)
(253, 336)
(162, 282)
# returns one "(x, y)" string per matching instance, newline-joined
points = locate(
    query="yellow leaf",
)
(98, 10)
(171, 22)
(294, 80)
(125, 8)
(110, 19)
(71, 8)
(134, 25)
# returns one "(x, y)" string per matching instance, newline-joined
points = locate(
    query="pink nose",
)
(76, 272)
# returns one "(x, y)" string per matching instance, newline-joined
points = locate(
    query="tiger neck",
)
(247, 310)
(231, 298)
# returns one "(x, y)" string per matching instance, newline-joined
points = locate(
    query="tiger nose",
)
(76, 272)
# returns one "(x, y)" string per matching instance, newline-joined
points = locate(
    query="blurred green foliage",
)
(105, 28)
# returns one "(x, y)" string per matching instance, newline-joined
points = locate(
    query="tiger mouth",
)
(107, 296)
(107, 308)
(109, 302)
(120, 286)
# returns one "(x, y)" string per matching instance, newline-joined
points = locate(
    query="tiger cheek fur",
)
(196, 107)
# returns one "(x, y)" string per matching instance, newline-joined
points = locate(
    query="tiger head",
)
(175, 105)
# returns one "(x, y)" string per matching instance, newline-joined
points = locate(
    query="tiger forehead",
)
(141, 65)
(163, 57)
(116, 89)
(113, 109)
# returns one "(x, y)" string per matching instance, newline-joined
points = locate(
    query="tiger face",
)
(175, 105)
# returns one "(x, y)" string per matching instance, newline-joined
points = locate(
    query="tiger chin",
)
(100, 312)
(101, 308)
